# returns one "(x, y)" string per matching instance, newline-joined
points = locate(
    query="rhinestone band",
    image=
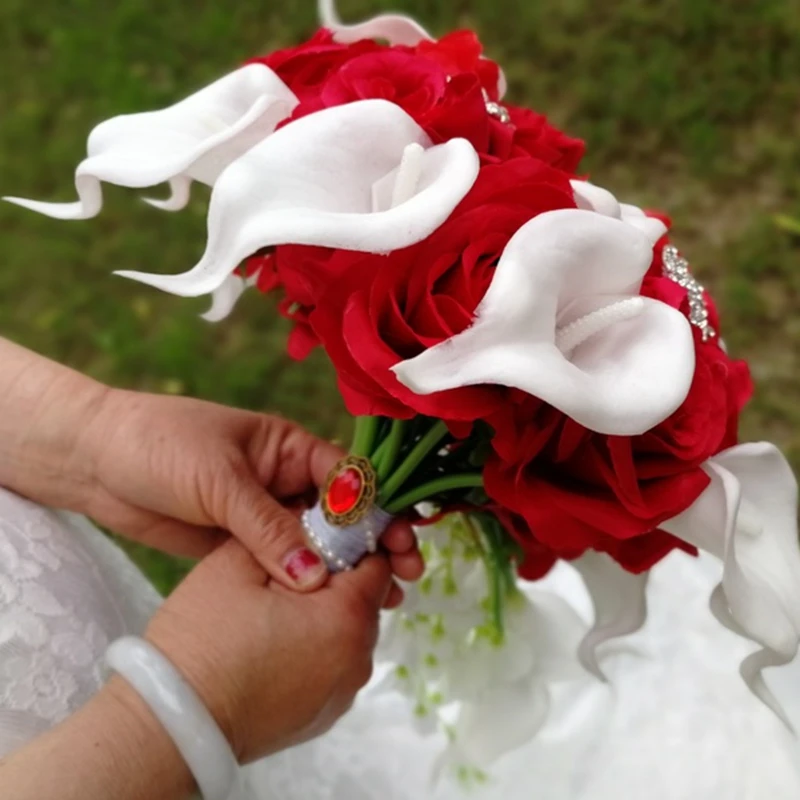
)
(496, 110)
(676, 268)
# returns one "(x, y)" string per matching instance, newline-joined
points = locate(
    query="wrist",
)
(142, 740)
(45, 415)
(112, 747)
(190, 658)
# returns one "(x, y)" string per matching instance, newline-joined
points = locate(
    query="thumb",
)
(371, 581)
(273, 535)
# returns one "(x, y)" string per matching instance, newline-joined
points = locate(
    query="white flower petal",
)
(180, 192)
(312, 183)
(590, 197)
(623, 379)
(196, 138)
(620, 604)
(394, 28)
(595, 198)
(508, 716)
(225, 296)
(747, 518)
(651, 227)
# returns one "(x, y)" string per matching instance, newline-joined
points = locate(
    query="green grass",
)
(687, 105)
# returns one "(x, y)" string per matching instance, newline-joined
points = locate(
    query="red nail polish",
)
(303, 565)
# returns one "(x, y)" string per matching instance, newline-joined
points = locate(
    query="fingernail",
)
(304, 566)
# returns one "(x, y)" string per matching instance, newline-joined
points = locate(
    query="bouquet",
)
(535, 372)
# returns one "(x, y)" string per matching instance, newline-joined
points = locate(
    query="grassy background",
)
(687, 105)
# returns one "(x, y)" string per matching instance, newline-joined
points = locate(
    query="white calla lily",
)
(747, 518)
(396, 29)
(563, 320)
(506, 717)
(314, 182)
(619, 600)
(594, 198)
(226, 295)
(195, 139)
(505, 690)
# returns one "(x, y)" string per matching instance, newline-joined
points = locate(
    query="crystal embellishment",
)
(349, 492)
(495, 109)
(676, 268)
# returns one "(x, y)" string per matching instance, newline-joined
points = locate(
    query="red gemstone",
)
(345, 490)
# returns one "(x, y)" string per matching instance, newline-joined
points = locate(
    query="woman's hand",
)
(273, 666)
(174, 473)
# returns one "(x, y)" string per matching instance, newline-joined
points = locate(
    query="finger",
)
(371, 580)
(164, 533)
(407, 566)
(273, 534)
(234, 560)
(395, 598)
(399, 538)
(293, 460)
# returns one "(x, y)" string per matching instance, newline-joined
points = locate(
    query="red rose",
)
(370, 312)
(634, 555)
(460, 53)
(414, 83)
(444, 108)
(529, 133)
(442, 85)
(576, 488)
(305, 68)
(538, 558)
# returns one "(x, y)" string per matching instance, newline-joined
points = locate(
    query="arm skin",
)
(37, 446)
(173, 473)
(113, 747)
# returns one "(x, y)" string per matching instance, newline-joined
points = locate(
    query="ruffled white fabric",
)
(563, 321)
(195, 139)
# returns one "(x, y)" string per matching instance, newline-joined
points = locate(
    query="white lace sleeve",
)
(65, 593)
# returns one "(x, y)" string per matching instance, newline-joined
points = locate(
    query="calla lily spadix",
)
(195, 139)
(563, 320)
(315, 182)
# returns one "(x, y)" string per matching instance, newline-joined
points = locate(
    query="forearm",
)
(44, 411)
(113, 747)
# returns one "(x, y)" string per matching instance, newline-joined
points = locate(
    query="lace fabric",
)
(65, 593)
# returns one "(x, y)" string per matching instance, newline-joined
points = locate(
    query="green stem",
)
(364, 438)
(389, 449)
(422, 448)
(447, 483)
(494, 572)
(378, 454)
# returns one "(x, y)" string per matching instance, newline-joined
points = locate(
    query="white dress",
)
(675, 721)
